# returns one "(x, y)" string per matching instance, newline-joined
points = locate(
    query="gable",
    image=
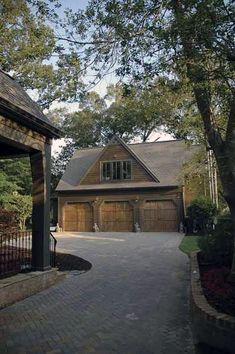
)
(116, 152)
(163, 158)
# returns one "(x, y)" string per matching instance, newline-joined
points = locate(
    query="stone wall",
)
(20, 286)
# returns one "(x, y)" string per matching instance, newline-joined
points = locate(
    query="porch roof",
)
(16, 104)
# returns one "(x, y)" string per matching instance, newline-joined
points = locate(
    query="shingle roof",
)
(15, 99)
(164, 159)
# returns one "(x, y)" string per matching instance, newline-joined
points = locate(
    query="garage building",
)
(124, 187)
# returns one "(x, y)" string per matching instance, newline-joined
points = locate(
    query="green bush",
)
(201, 213)
(218, 246)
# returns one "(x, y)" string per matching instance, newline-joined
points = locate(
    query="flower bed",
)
(210, 324)
(219, 292)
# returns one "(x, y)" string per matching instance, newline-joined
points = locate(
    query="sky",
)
(100, 88)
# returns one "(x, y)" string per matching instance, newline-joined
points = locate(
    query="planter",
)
(21, 286)
(209, 326)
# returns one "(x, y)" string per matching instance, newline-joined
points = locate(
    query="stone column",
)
(136, 219)
(41, 170)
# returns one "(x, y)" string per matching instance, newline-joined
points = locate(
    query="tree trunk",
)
(226, 165)
(232, 273)
(223, 148)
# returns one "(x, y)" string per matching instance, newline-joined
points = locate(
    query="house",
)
(124, 187)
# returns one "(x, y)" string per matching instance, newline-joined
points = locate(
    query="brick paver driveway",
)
(134, 300)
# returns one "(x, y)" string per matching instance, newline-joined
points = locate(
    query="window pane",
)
(119, 170)
(114, 170)
(126, 170)
(106, 171)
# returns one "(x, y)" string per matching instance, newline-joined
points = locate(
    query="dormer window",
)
(115, 170)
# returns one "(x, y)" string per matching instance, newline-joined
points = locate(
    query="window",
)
(116, 170)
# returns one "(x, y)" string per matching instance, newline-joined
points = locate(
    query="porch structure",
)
(26, 131)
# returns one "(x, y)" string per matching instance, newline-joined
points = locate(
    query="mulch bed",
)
(66, 262)
(220, 293)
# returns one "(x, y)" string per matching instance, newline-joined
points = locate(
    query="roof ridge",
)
(156, 142)
(140, 143)
(135, 155)
(89, 148)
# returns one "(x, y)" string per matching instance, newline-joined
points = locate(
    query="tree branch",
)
(84, 43)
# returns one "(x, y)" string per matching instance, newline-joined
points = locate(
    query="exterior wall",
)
(21, 286)
(22, 136)
(111, 153)
(135, 198)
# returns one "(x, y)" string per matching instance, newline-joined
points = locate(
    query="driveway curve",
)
(134, 300)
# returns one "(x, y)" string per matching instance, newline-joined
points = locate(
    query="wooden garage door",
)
(117, 216)
(160, 216)
(78, 217)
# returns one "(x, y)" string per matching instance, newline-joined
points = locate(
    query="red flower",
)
(214, 282)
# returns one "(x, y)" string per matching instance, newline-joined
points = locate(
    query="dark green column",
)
(41, 170)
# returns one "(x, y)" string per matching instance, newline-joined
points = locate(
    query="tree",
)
(84, 128)
(191, 41)
(18, 172)
(8, 222)
(59, 163)
(7, 188)
(21, 206)
(30, 52)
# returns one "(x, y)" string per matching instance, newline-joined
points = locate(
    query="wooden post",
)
(40, 165)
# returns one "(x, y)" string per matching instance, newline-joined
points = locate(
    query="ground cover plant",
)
(215, 260)
(189, 244)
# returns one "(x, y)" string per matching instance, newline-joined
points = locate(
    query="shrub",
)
(214, 280)
(218, 246)
(7, 220)
(201, 213)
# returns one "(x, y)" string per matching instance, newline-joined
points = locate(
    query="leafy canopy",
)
(189, 41)
(29, 51)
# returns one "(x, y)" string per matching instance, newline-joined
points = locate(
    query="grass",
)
(189, 244)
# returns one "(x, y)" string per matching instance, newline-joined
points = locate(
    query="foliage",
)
(59, 162)
(7, 188)
(83, 128)
(136, 113)
(214, 281)
(18, 172)
(21, 206)
(201, 212)
(218, 246)
(189, 244)
(141, 111)
(30, 52)
(142, 39)
(7, 220)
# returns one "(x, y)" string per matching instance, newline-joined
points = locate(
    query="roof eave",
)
(113, 188)
(137, 158)
(20, 116)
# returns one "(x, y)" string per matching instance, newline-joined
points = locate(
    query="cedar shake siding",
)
(116, 152)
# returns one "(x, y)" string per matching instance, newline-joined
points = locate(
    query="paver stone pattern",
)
(134, 300)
